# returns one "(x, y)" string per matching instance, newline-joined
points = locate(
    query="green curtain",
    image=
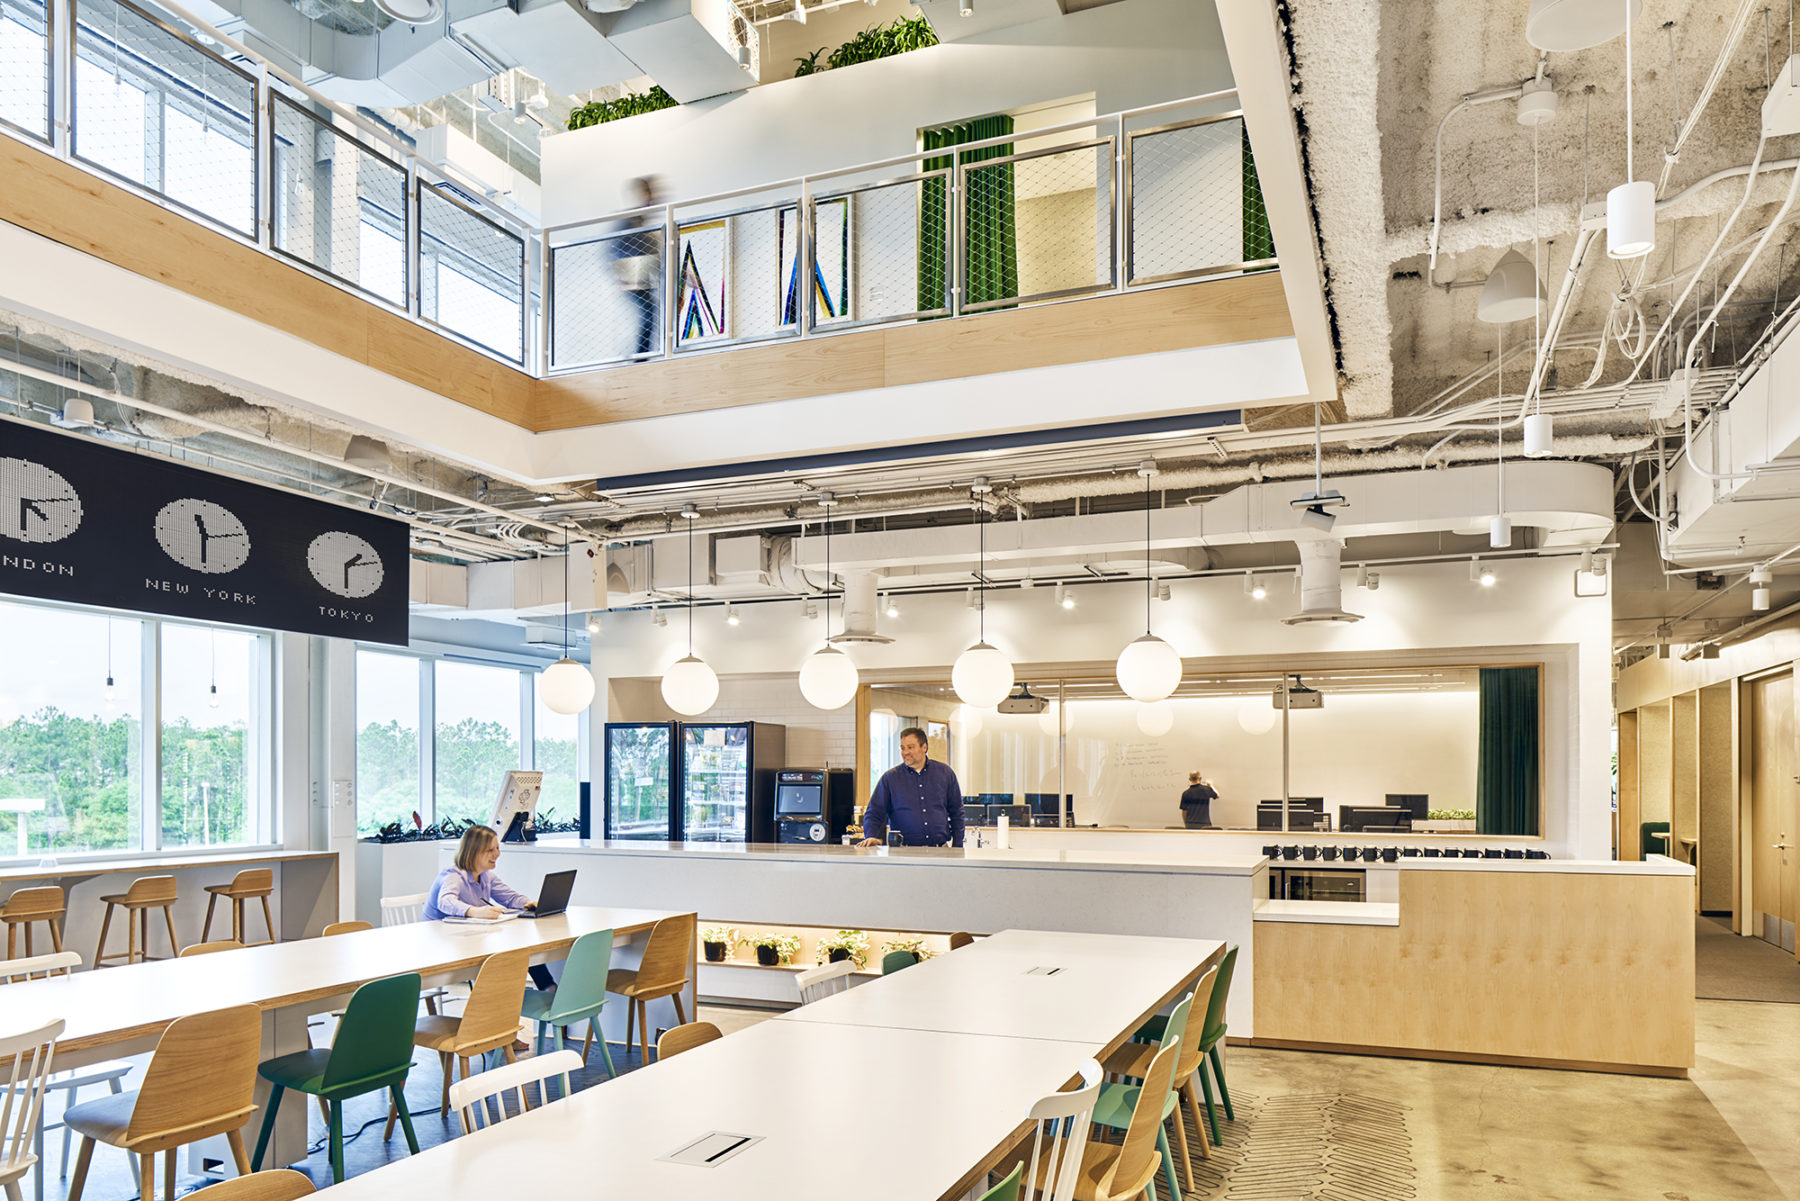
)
(1506, 772)
(1259, 243)
(992, 252)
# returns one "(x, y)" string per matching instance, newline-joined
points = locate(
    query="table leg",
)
(284, 1031)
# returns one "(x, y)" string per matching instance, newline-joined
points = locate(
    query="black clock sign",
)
(86, 522)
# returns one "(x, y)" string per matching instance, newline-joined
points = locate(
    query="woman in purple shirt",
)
(469, 888)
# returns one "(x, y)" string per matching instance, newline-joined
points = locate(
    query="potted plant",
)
(915, 945)
(718, 941)
(845, 944)
(773, 950)
(1451, 820)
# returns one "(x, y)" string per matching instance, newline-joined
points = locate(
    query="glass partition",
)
(212, 727)
(387, 741)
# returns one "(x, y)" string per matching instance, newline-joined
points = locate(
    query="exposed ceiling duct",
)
(1321, 583)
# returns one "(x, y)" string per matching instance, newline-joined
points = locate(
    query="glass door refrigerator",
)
(728, 780)
(641, 782)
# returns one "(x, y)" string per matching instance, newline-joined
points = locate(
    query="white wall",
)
(1422, 614)
(1126, 55)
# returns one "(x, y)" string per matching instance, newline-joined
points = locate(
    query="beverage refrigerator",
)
(642, 794)
(727, 780)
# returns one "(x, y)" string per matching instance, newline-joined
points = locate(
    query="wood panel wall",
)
(1655, 767)
(1630, 806)
(1578, 970)
(1717, 746)
(1684, 772)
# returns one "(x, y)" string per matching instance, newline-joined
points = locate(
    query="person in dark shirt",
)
(1196, 802)
(921, 799)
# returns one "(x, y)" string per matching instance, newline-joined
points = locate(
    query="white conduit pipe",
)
(1437, 180)
(1739, 23)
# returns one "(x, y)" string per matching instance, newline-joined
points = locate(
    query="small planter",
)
(768, 956)
(838, 955)
(715, 952)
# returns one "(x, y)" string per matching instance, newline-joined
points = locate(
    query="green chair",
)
(578, 997)
(1114, 1106)
(372, 1050)
(1008, 1189)
(893, 961)
(1151, 1031)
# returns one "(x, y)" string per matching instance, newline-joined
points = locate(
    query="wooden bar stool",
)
(255, 883)
(146, 893)
(30, 905)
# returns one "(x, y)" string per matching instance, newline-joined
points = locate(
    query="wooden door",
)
(1774, 832)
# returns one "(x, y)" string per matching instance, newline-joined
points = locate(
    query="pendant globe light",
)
(1149, 668)
(566, 686)
(981, 675)
(689, 686)
(828, 678)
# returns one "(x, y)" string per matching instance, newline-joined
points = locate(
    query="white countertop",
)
(1330, 913)
(1214, 863)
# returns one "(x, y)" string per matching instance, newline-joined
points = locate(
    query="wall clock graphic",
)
(36, 504)
(202, 536)
(344, 564)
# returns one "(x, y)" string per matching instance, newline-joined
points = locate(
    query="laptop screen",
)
(554, 896)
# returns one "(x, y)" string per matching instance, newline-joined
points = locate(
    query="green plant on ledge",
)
(808, 64)
(1450, 815)
(725, 934)
(915, 945)
(599, 112)
(883, 41)
(785, 946)
(854, 943)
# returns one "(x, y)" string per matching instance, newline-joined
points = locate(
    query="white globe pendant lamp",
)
(689, 686)
(1148, 669)
(566, 686)
(1157, 718)
(828, 678)
(982, 675)
(1630, 207)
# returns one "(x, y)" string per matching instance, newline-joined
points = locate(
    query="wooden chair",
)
(489, 1021)
(685, 1038)
(277, 1184)
(961, 939)
(70, 1083)
(209, 948)
(252, 884)
(22, 1099)
(30, 905)
(469, 1097)
(201, 1082)
(826, 981)
(1133, 1060)
(336, 928)
(1109, 1171)
(663, 972)
(146, 893)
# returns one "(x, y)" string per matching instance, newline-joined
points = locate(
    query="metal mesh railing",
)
(338, 205)
(606, 298)
(867, 264)
(727, 269)
(1037, 226)
(25, 66)
(165, 113)
(471, 274)
(1195, 208)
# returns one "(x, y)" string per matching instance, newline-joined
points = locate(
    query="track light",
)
(1253, 587)
(967, 8)
(1317, 517)
(1587, 562)
(1760, 597)
(1481, 574)
(593, 624)
(1374, 581)
(1362, 575)
(658, 618)
(1163, 593)
(893, 610)
(731, 616)
(1062, 596)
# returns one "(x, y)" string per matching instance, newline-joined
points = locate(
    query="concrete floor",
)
(1463, 1130)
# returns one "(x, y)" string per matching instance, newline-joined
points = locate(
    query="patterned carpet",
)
(1308, 1147)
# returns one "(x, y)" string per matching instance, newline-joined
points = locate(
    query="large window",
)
(478, 720)
(77, 775)
(387, 741)
(555, 737)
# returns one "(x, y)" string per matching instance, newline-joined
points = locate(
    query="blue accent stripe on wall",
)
(1184, 423)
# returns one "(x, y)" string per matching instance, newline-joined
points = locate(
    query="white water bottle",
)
(1002, 838)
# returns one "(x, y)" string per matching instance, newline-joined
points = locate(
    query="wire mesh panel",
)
(728, 282)
(338, 205)
(25, 66)
(866, 253)
(606, 298)
(1195, 206)
(1037, 226)
(471, 275)
(165, 113)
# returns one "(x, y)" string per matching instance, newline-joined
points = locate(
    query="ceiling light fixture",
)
(1479, 574)
(731, 616)
(743, 57)
(76, 414)
(828, 678)
(1063, 596)
(593, 624)
(1563, 25)
(367, 454)
(1374, 581)
(967, 8)
(1630, 207)
(1163, 592)
(981, 675)
(566, 686)
(1512, 291)
(1760, 597)
(892, 610)
(412, 12)
(1253, 587)
(1315, 506)
(1148, 668)
(689, 686)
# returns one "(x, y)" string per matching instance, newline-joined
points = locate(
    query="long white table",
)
(910, 1080)
(123, 1010)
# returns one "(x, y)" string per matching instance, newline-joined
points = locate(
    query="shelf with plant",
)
(719, 941)
(845, 944)
(904, 35)
(599, 112)
(815, 945)
(775, 950)
(920, 950)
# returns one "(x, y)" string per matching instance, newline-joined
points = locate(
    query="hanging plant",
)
(599, 112)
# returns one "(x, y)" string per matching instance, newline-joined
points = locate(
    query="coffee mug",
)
(1309, 852)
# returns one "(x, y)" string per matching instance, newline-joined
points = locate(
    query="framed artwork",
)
(705, 250)
(830, 263)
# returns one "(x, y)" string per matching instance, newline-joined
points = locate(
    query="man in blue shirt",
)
(921, 799)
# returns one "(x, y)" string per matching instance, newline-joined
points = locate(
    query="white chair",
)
(403, 911)
(21, 1103)
(825, 981)
(71, 1082)
(1055, 1160)
(470, 1095)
